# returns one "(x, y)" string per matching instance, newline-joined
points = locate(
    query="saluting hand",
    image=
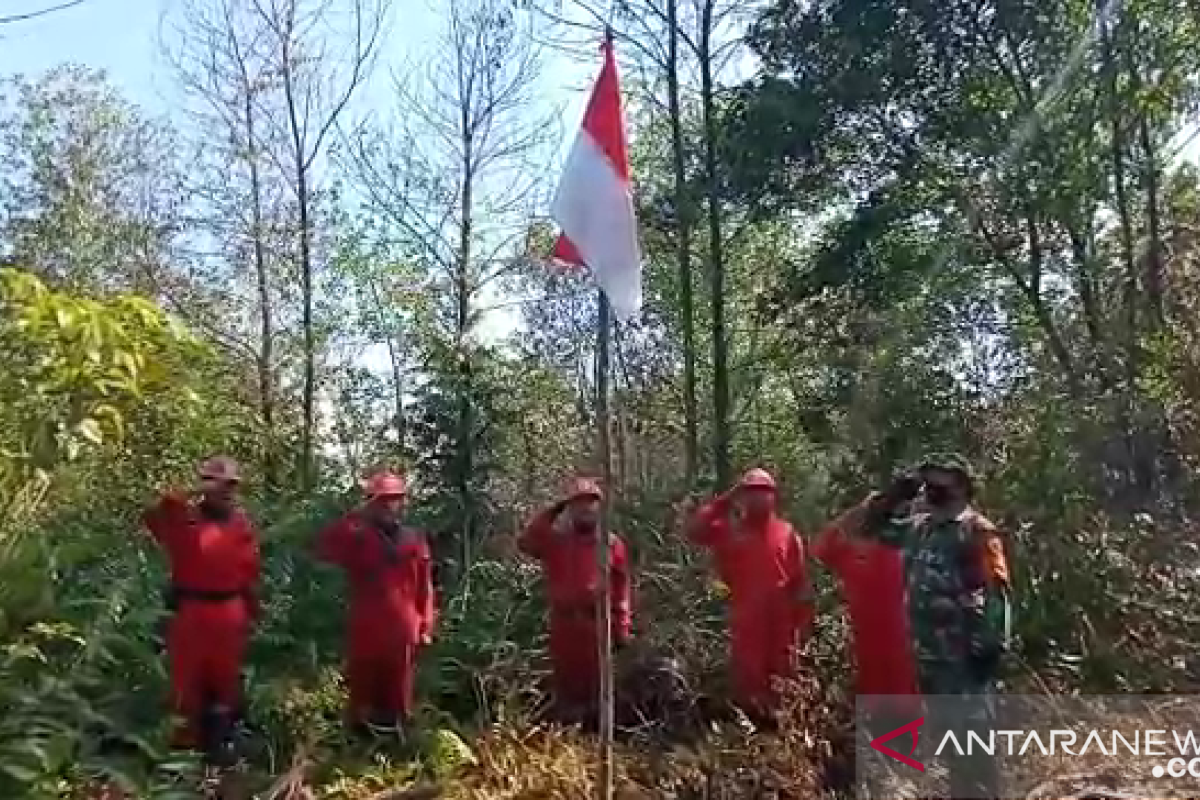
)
(904, 488)
(684, 510)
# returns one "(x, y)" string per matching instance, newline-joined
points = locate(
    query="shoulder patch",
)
(994, 547)
(981, 525)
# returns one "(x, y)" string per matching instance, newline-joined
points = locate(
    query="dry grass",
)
(548, 763)
(524, 761)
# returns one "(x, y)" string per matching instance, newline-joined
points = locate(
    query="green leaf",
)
(20, 774)
(90, 430)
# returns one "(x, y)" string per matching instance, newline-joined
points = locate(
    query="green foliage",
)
(76, 368)
(88, 184)
(455, 433)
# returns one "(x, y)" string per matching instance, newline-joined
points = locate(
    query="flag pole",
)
(604, 784)
(604, 781)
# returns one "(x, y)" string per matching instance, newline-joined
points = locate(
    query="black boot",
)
(216, 736)
(358, 730)
(386, 726)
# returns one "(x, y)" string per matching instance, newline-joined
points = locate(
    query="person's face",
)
(758, 502)
(585, 512)
(218, 493)
(943, 489)
(388, 506)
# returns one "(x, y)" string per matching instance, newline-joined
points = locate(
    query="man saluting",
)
(563, 539)
(760, 557)
(392, 604)
(958, 590)
(214, 561)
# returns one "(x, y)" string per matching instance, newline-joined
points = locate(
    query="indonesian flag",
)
(594, 204)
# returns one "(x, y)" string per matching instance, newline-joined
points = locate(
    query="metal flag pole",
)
(604, 781)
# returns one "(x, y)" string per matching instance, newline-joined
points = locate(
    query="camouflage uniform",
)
(958, 596)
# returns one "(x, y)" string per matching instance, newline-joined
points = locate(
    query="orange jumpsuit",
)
(573, 582)
(763, 564)
(872, 577)
(214, 573)
(392, 609)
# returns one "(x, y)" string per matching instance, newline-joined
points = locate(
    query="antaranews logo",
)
(912, 727)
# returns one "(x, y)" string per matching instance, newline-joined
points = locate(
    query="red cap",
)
(757, 479)
(221, 468)
(583, 487)
(386, 484)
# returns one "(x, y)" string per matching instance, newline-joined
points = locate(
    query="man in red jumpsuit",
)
(393, 608)
(563, 539)
(214, 562)
(872, 577)
(760, 557)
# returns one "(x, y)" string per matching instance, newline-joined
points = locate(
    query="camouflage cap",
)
(951, 462)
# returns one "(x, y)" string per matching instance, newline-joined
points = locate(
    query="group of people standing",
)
(214, 563)
(924, 575)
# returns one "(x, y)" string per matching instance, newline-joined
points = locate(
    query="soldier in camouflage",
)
(958, 595)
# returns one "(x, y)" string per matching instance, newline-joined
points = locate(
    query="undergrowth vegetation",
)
(84, 685)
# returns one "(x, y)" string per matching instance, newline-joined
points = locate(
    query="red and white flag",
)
(594, 202)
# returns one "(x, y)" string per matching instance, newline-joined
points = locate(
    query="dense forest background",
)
(871, 230)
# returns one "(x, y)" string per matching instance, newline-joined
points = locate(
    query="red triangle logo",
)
(911, 727)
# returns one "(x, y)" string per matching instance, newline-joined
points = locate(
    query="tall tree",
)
(455, 185)
(217, 53)
(89, 193)
(1019, 127)
(705, 53)
(318, 81)
(683, 243)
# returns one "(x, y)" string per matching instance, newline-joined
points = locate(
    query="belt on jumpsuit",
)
(179, 593)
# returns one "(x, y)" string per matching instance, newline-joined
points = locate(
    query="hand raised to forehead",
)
(904, 487)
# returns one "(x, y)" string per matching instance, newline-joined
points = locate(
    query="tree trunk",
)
(721, 428)
(1152, 269)
(398, 392)
(1154, 257)
(1139, 465)
(266, 345)
(1130, 298)
(683, 245)
(1033, 292)
(306, 270)
(466, 454)
(310, 345)
(1086, 287)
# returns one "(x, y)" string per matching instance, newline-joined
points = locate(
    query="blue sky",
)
(117, 35)
(120, 36)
